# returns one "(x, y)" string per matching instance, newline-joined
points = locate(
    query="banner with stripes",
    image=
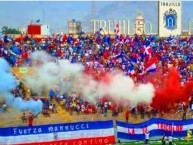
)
(155, 126)
(84, 133)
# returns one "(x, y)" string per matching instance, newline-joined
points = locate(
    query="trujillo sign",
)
(125, 26)
(169, 22)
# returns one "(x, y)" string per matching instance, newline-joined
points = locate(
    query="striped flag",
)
(131, 71)
(155, 126)
(95, 133)
(150, 66)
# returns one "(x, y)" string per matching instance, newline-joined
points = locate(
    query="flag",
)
(117, 31)
(147, 50)
(151, 65)
(1, 36)
(37, 21)
(155, 126)
(100, 31)
(131, 70)
(31, 22)
(9, 39)
(95, 133)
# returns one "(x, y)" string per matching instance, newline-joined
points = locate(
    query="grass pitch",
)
(158, 142)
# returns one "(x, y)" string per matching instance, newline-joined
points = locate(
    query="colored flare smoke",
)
(9, 82)
(49, 73)
(171, 92)
(118, 88)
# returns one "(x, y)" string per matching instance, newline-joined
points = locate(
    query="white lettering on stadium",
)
(124, 26)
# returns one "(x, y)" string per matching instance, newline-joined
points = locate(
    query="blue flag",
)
(37, 21)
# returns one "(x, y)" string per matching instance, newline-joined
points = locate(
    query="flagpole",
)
(31, 22)
(42, 14)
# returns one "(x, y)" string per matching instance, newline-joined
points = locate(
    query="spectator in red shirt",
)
(30, 119)
(127, 116)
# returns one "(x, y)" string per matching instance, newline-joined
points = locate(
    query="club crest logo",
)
(170, 19)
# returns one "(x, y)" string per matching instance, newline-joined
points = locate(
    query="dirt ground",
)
(12, 117)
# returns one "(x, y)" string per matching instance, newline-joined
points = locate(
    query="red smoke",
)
(168, 89)
(169, 92)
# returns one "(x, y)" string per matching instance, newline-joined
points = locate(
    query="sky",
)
(57, 14)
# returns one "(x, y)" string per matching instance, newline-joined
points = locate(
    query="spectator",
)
(127, 116)
(184, 113)
(164, 138)
(51, 94)
(170, 139)
(105, 109)
(54, 109)
(24, 118)
(189, 135)
(146, 137)
(51, 107)
(142, 112)
(30, 119)
(4, 106)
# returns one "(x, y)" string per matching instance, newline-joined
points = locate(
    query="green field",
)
(175, 142)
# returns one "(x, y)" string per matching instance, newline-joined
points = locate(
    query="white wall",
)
(164, 32)
(45, 30)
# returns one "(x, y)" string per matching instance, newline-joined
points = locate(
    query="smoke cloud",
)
(49, 73)
(9, 82)
(71, 77)
(119, 88)
(170, 91)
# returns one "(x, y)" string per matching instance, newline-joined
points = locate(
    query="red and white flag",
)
(117, 31)
(150, 66)
(147, 50)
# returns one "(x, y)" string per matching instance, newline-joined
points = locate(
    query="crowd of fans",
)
(100, 54)
(104, 53)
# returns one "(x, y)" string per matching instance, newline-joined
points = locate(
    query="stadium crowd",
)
(103, 53)
(136, 56)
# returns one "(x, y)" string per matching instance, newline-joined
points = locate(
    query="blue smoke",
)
(33, 106)
(9, 82)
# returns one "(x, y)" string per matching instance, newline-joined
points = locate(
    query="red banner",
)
(82, 141)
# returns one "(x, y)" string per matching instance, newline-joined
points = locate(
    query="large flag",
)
(156, 127)
(87, 133)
